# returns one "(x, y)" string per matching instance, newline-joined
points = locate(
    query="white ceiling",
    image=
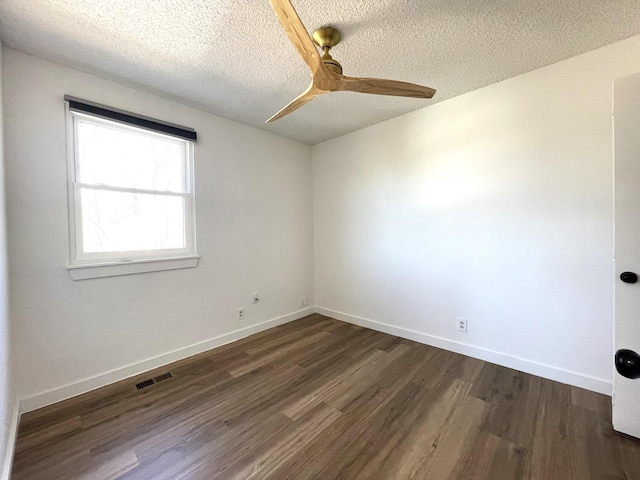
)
(231, 58)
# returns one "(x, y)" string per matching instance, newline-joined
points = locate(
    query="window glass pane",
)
(121, 158)
(120, 221)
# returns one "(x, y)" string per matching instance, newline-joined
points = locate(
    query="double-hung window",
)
(131, 193)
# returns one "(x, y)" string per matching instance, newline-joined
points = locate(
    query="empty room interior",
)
(277, 239)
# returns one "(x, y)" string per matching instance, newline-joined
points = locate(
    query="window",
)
(131, 193)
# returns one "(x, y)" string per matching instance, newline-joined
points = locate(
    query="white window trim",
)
(87, 266)
(84, 272)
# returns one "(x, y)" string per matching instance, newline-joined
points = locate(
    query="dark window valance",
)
(84, 106)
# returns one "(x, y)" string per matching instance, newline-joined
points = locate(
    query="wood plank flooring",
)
(322, 399)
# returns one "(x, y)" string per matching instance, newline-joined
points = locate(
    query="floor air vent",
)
(146, 383)
(151, 381)
(164, 376)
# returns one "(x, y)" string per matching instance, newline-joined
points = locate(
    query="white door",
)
(626, 396)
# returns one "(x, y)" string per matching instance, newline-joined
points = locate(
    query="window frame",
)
(93, 265)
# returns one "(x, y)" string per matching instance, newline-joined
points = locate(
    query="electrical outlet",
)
(461, 325)
(304, 301)
(240, 314)
(301, 302)
(256, 298)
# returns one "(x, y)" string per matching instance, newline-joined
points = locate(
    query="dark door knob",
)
(628, 363)
(629, 277)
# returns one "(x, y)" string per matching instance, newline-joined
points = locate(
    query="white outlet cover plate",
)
(461, 325)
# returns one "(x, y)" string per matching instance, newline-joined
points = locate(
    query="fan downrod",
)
(327, 38)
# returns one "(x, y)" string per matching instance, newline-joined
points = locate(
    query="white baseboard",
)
(522, 364)
(12, 435)
(88, 384)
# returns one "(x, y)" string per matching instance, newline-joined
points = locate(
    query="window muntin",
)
(131, 193)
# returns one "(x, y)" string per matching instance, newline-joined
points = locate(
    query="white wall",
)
(7, 401)
(255, 234)
(495, 206)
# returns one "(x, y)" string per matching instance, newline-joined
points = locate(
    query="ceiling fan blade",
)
(297, 33)
(380, 86)
(308, 95)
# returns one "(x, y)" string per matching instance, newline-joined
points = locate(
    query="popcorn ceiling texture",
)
(231, 57)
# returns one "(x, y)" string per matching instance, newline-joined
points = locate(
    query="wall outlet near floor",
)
(302, 302)
(255, 298)
(240, 315)
(461, 325)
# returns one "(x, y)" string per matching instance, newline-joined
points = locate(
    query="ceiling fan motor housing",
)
(331, 64)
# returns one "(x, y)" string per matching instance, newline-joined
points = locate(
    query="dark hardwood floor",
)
(322, 399)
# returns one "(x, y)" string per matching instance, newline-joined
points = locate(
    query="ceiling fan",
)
(326, 73)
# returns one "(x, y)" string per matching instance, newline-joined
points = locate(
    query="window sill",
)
(100, 270)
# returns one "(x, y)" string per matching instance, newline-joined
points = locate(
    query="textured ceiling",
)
(231, 58)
